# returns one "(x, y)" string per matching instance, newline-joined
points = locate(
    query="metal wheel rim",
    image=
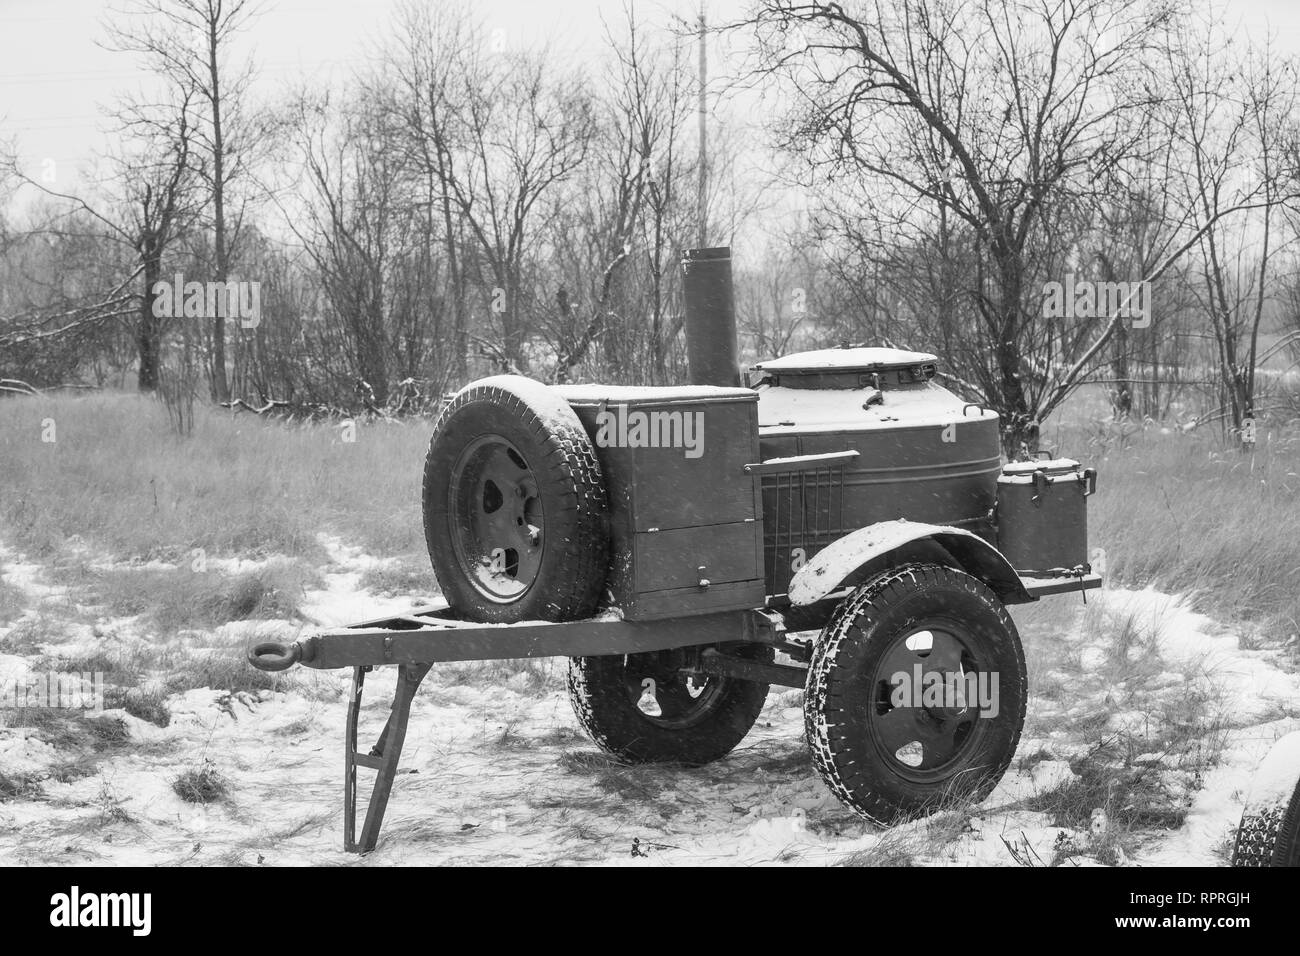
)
(497, 526)
(942, 736)
(683, 700)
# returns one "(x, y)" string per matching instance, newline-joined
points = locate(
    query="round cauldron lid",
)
(855, 359)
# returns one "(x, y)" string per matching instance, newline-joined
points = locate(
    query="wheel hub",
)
(923, 720)
(499, 529)
(662, 692)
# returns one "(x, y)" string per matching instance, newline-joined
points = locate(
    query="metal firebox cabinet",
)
(687, 527)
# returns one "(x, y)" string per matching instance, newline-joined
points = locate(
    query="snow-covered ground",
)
(496, 771)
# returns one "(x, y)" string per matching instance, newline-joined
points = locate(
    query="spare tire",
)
(515, 512)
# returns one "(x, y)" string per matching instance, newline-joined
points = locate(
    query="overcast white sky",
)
(54, 78)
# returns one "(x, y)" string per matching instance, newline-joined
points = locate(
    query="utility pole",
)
(702, 198)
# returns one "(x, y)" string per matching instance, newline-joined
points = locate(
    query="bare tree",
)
(1233, 128)
(611, 232)
(187, 43)
(497, 131)
(352, 223)
(152, 187)
(990, 113)
(159, 198)
(784, 295)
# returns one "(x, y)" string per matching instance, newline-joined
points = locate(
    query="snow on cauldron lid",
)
(849, 367)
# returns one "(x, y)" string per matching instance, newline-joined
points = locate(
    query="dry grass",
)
(921, 840)
(103, 661)
(117, 478)
(1112, 667)
(527, 675)
(18, 786)
(121, 671)
(171, 599)
(70, 730)
(1138, 739)
(110, 807)
(148, 705)
(220, 671)
(83, 741)
(1134, 797)
(32, 633)
(895, 848)
(13, 601)
(138, 676)
(408, 576)
(1184, 513)
(201, 784)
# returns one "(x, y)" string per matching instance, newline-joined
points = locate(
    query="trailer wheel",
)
(515, 514)
(882, 744)
(640, 708)
(1269, 833)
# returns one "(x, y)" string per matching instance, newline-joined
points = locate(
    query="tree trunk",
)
(148, 333)
(1119, 365)
(459, 339)
(372, 345)
(220, 385)
(511, 326)
(1019, 427)
(373, 367)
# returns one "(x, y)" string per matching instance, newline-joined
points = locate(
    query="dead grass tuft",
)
(202, 784)
(408, 576)
(17, 786)
(13, 601)
(148, 705)
(172, 599)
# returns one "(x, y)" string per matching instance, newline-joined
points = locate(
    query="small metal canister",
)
(1042, 516)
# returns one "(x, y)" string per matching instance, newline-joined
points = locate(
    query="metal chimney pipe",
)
(711, 351)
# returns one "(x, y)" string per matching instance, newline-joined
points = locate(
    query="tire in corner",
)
(1269, 832)
(515, 511)
(884, 747)
(639, 708)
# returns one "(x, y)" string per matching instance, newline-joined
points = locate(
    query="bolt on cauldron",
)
(842, 523)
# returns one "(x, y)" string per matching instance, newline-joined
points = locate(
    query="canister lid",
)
(1050, 466)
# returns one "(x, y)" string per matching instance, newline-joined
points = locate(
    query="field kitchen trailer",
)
(842, 523)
